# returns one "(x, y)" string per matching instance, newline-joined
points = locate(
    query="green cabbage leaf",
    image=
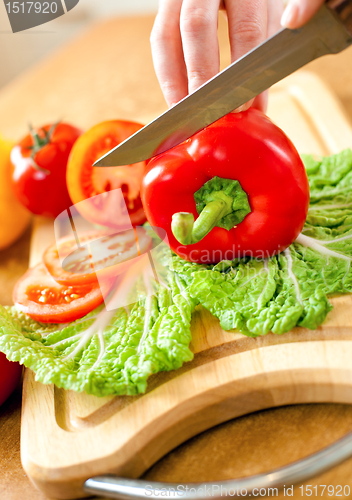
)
(115, 352)
(106, 352)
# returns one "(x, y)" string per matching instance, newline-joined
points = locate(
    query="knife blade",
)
(243, 80)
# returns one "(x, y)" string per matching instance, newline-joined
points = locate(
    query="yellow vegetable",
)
(14, 218)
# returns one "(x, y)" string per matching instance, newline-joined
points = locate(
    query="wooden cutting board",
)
(68, 437)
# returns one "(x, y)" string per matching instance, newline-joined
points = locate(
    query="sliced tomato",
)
(43, 299)
(85, 182)
(100, 256)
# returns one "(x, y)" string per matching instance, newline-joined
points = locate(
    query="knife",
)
(328, 32)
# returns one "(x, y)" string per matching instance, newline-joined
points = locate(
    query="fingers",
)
(275, 11)
(185, 44)
(167, 51)
(298, 12)
(261, 101)
(247, 28)
(198, 23)
(247, 25)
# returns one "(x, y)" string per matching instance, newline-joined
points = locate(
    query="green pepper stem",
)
(182, 227)
(219, 202)
(187, 232)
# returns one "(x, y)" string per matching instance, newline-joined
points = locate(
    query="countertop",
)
(108, 73)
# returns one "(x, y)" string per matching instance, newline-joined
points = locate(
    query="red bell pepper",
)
(237, 188)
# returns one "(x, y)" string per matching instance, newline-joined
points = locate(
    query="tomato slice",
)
(108, 252)
(38, 295)
(84, 181)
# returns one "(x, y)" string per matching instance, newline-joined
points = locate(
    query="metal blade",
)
(258, 70)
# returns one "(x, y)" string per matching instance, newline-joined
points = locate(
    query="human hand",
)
(298, 12)
(185, 44)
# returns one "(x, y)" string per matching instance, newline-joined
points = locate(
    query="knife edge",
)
(256, 71)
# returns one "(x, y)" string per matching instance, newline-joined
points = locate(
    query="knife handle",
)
(343, 10)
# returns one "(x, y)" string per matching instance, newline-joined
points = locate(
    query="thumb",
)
(298, 12)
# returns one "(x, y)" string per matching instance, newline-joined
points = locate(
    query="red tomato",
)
(110, 251)
(40, 161)
(38, 295)
(84, 181)
(246, 147)
(10, 375)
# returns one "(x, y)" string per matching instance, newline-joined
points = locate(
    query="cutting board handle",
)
(297, 472)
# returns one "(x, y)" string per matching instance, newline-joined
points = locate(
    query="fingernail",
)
(290, 15)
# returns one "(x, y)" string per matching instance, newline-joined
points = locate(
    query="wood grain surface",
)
(230, 376)
(85, 84)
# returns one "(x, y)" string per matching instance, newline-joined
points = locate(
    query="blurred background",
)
(83, 68)
(21, 50)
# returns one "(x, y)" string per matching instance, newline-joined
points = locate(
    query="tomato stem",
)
(39, 143)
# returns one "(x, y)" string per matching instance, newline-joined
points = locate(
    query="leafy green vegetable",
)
(107, 352)
(257, 297)
(114, 352)
(291, 289)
